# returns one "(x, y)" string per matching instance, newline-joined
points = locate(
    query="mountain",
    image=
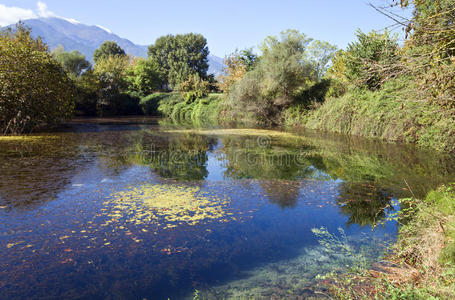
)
(73, 35)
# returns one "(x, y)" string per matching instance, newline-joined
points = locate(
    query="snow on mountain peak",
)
(104, 28)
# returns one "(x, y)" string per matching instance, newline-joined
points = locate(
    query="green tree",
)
(112, 96)
(237, 64)
(372, 59)
(108, 48)
(34, 89)
(320, 54)
(180, 56)
(86, 98)
(145, 77)
(194, 88)
(74, 63)
(277, 79)
(429, 52)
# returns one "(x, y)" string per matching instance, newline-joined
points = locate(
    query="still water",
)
(140, 209)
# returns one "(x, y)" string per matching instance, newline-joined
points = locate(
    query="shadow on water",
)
(117, 210)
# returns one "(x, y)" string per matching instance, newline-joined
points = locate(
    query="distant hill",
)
(73, 35)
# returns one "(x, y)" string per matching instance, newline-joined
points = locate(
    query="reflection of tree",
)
(34, 170)
(282, 192)
(365, 204)
(177, 157)
(245, 159)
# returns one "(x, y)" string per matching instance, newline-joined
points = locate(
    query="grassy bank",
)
(394, 113)
(173, 105)
(422, 265)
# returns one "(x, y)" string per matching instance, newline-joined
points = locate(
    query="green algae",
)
(166, 205)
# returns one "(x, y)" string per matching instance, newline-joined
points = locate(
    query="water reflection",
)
(96, 209)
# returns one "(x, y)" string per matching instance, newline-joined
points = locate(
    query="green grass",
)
(394, 113)
(202, 111)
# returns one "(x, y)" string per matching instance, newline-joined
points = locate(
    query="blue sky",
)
(227, 25)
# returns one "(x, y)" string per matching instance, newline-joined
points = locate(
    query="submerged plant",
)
(339, 247)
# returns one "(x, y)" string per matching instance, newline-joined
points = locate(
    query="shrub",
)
(34, 89)
(372, 59)
(149, 104)
(273, 83)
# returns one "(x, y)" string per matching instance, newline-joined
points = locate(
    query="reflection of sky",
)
(215, 165)
(266, 229)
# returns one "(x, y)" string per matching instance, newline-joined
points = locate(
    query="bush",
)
(273, 84)
(34, 89)
(121, 104)
(393, 113)
(372, 59)
(201, 111)
(149, 104)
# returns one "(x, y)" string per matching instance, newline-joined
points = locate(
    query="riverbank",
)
(394, 113)
(422, 265)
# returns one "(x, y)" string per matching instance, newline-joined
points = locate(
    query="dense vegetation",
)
(374, 88)
(26, 63)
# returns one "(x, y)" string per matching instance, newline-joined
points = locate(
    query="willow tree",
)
(275, 82)
(35, 91)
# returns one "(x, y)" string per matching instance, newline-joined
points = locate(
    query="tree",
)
(34, 89)
(276, 80)
(372, 59)
(144, 77)
(320, 54)
(237, 64)
(429, 52)
(112, 74)
(194, 88)
(74, 63)
(180, 56)
(108, 48)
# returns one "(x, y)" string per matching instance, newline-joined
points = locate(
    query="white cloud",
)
(43, 11)
(12, 15)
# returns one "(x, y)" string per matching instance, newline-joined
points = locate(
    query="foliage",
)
(107, 49)
(430, 50)
(112, 73)
(393, 113)
(144, 77)
(372, 59)
(237, 64)
(151, 103)
(422, 263)
(201, 111)
(74, 63)
(320, 54)
(86, 96)
(34, 89)
(180, 56)
(263, 92)
(193, 88)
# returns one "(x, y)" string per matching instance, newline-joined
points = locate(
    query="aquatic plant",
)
(166, 205)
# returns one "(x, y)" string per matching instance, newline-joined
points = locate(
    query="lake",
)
(138, 208)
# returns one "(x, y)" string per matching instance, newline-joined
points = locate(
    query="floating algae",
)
(170, 205)
(239, 132)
